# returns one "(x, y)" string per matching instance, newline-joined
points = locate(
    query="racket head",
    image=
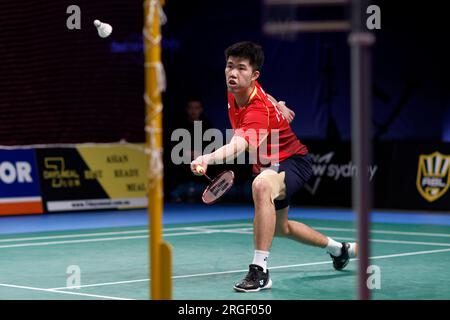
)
(218, 187)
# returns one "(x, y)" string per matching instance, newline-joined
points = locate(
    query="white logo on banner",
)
(323, 167)
(12, 172)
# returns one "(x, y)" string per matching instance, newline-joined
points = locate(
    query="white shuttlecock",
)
(104, 29)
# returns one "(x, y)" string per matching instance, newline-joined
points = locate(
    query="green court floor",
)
(208, 258)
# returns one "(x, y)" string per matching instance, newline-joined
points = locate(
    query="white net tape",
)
(154, 4)
(155, 154)
(160, 75)
(153, 111)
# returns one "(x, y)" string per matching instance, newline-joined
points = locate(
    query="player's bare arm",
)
(230, 151)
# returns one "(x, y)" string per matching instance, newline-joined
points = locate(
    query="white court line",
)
(334, 229)
(74, 236)
(388, 232)
(36, 244)
(207, 227)
(116, 233)
(62, 292)
(210, 230)
(200, 231)
(250, 226)
(276, 267)
(219, 226)
(103, 284)
(400, 242)
(243, 231)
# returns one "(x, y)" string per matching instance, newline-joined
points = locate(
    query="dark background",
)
(70, 86)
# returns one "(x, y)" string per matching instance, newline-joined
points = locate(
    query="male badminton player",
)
(257, 119)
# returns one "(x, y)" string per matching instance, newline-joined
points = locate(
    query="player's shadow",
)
(337, 274)
(303, 277)
(298, 285)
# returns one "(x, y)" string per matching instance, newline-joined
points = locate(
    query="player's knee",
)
(261, 188)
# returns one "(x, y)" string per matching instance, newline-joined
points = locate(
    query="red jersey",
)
(259, 118)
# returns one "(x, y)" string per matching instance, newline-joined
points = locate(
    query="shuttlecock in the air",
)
(104, 29)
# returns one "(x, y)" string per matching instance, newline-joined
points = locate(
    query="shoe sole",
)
(267, 286)
(343, 266)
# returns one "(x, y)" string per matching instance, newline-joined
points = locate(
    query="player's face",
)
(239, 74)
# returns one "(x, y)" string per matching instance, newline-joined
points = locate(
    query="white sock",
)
(260, 258)
(352, 250)
(334, 247)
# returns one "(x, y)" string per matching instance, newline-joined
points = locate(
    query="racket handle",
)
(200, 169)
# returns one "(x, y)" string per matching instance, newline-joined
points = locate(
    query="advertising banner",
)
(405, 176)
(93, 177)
(19, 182)
(420, 177)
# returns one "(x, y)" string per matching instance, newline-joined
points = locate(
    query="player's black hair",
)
(248, 50)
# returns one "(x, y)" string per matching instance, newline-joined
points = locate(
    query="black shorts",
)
(298, 170)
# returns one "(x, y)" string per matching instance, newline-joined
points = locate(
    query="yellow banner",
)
(120, 169)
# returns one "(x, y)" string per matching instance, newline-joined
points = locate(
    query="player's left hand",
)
(288, 114)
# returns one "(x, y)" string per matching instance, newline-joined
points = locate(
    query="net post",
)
(166, 271)
(160, 252)
(360, 41)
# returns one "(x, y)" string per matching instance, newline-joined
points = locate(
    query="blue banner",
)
(19, 182)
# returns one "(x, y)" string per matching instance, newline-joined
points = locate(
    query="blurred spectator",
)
(186, 186)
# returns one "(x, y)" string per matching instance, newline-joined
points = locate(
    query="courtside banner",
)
(407, 176)
(93, 177)
(420, 177)
(19, 182)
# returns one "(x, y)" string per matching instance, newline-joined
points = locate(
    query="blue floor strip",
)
(189, 213)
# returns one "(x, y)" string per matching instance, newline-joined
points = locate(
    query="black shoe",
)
(341, 261)
(255, 280)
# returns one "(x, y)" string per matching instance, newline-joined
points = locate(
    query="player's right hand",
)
(199, 166)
